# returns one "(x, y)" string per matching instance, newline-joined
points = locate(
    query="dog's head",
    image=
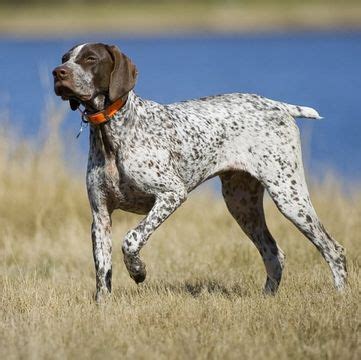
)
(94, 75)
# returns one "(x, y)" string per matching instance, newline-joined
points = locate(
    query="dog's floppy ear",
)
(123, 76)
(74, 104)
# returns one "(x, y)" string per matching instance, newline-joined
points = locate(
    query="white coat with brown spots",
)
(149, 157)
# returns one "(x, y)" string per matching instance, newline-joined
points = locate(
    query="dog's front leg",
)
(165, 204)
(102, 252)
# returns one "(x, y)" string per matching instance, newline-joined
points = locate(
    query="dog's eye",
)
(91, 59)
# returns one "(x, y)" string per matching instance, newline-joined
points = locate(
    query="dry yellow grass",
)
(202, 298)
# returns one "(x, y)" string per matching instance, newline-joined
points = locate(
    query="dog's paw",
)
(135, 267)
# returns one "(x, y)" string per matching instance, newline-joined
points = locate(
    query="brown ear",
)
(123, 76)
(74, 104)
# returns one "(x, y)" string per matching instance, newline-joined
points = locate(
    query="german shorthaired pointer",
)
(145, 158)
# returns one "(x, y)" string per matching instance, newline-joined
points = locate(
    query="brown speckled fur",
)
(149, 156)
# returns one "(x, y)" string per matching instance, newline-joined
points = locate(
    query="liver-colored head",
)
(94, 75)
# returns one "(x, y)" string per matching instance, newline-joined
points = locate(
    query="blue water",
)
(322, 70)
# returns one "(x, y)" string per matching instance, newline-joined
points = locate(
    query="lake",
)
(321, 70)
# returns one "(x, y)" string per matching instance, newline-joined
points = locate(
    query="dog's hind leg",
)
(282, 175)
(243, 195)
(292, 199)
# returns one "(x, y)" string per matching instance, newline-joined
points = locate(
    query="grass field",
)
(202, 299)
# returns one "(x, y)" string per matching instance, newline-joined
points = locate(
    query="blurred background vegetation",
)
(48, 18)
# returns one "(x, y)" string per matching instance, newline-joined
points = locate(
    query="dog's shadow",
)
(195, 288)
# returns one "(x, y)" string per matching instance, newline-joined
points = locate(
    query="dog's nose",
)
(61, 72)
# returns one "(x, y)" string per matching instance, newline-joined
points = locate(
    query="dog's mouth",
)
(65, 91)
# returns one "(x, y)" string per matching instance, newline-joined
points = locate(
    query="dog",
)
(146, 158)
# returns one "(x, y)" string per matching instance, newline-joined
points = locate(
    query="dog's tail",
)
(301, 111)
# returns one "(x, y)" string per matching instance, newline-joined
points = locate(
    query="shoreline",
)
(156, 20)
(100, 36)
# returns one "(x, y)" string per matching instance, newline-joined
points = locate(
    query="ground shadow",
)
(194, 288)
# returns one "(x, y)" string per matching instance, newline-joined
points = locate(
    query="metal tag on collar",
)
(84, 122)
(83, 114)
(83, 125)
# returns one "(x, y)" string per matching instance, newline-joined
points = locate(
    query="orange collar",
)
(105, 115)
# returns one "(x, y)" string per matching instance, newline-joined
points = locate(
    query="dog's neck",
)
(99, 103)
(110, 133)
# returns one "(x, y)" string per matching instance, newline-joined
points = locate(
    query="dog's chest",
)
(109, 181)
